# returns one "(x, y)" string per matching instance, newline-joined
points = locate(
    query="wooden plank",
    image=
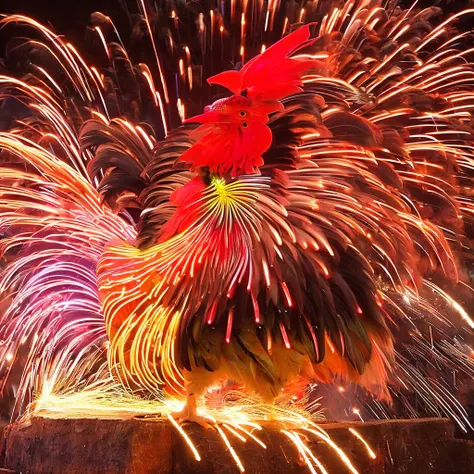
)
(138, 445)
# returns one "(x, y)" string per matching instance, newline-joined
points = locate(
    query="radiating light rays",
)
(61, 296)
(141, 321)
(459, 309)
(364, 442)
(439, 352)
(143, 7)
(373, 197)
(238, 423)
(436, 125)
(85, 79)
(185, 437)
(302, 449)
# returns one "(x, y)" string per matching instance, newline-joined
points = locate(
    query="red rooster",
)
(242, 282)
(288, 234)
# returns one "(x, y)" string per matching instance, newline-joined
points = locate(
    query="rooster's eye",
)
(244, 124)
(242, 113)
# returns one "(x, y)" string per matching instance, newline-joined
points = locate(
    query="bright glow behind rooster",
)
(310, 227)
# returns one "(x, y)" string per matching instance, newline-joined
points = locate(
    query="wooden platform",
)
(137, 446)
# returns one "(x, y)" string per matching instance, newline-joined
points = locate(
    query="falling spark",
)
(185, 437)
(364, 442)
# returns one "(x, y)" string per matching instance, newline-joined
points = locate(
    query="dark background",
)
(71, 17)
(66, 17)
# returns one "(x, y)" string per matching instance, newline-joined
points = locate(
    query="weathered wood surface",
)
(139, 446)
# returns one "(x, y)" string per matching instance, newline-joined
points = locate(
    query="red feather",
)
(225, 148)
(234, 134)
(186, 199)
(274, 66)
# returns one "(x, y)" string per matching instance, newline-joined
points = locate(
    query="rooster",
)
(284, 235)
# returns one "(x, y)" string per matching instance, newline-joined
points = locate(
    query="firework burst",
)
(313, 227)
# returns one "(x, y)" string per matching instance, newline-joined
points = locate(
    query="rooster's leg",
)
(189, 413)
